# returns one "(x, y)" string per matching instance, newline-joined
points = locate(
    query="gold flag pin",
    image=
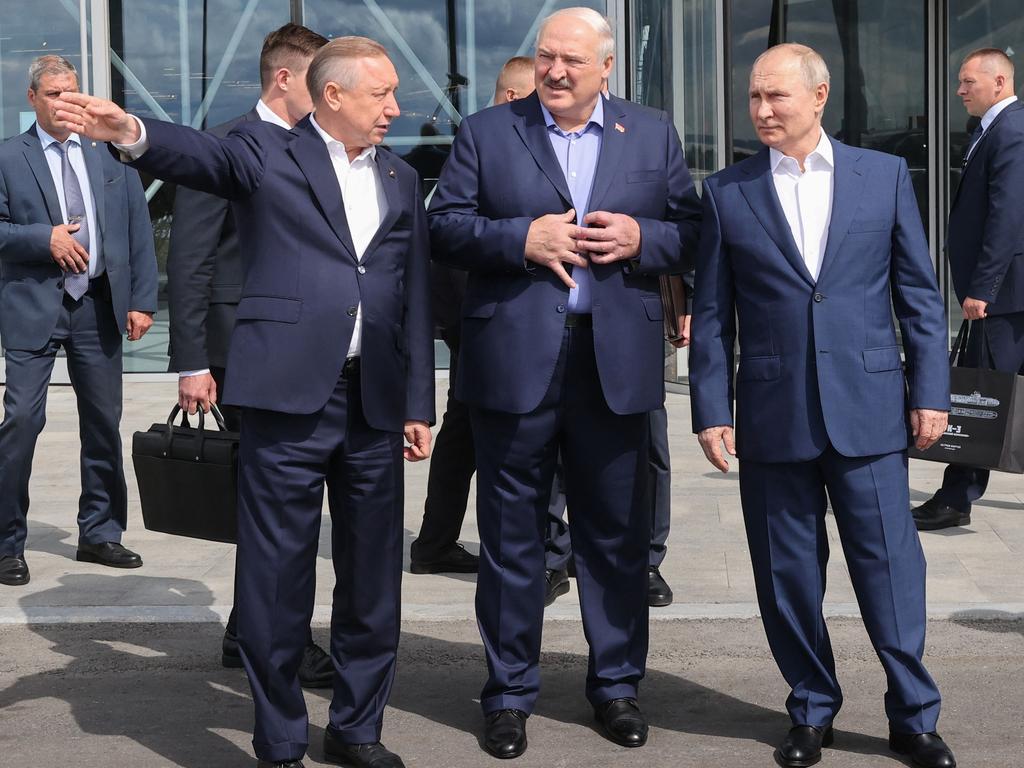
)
(619, 128)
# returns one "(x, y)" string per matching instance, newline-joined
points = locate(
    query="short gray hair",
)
(812, 66)
(335, 62)
(597, 22)
(49, 65)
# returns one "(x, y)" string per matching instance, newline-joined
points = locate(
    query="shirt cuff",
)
(183, 374)
(134, 151)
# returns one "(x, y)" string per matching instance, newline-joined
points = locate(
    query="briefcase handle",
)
(959, 351)
(199, 438)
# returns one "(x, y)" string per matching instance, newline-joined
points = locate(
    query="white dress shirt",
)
(365, 205)
(78, 164)
(986, 120)
(806, 198)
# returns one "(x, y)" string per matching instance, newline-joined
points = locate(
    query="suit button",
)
(60, 285)
(361, 269)
(818, 297)
(560, 308)
(351, 311)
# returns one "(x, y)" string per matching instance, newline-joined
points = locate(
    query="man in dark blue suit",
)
(563, 181)
(811, 245)
(204, 278)
(985, 245)
(331, 360)
(77, 271)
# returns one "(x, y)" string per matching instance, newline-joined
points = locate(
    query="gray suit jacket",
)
(31, 284)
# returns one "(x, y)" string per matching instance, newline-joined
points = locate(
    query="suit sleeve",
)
(460, 236)
(918, 304)
(713, 330)
(668, 245)
(196, 230)
(230, 167)
(21, 243)
(1004, 225)
(418, 322)
(142, 252)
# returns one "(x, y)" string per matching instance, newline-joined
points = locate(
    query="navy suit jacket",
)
(31, 283)
(501, 175)
(302, 279)
(819, 361)
(985, 241)
(204, 274)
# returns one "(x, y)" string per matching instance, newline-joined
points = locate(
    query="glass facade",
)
(894, 67)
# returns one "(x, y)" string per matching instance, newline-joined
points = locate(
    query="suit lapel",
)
(41, 170)
(534, 133)
(978, 147)
(387, 177)
(613, 144)
(311, 155)
(847, 189)
(94, 166)
(759, 190)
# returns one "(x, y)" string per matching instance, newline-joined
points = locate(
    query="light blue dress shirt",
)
(577, 154)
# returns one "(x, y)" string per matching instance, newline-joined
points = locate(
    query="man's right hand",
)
(197, 391)
(66, 252)
(98, 119)
(551, 242)
(711, 440)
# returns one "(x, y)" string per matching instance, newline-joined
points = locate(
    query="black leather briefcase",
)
(188, 478)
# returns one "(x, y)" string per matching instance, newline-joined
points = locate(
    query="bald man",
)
(985, 245)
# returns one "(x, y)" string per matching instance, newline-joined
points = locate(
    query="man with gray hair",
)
(77, 271)
(563, 181)
(335, 237)
(810, 247)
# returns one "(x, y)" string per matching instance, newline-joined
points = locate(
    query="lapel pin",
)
(619, 128)
(391, 172)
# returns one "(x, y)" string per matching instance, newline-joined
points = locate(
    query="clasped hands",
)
(555, 240)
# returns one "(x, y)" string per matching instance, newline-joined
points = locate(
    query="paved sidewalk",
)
(101, 667)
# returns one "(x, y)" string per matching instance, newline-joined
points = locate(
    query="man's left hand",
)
(138, 324)
(608, 237)
(975, 309)
(928, 426)
(417, 434)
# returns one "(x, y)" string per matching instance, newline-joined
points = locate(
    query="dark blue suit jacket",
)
(302, 280)
(819, 360)
(30, 282)
(501, 175)
(985, 242)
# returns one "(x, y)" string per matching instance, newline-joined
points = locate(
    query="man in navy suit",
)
(204, 278)
(563, 181)
(331, 360)
(811, 245)
(77, 271)
(985, 245)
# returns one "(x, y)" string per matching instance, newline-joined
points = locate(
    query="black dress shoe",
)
(622, 722)
(455, 559)
(108, 553)
(230, 655)
(802, 746)
(659, 593)
(282, 764)
(14, 571)
(358, 755)
(933, 515)
(316, 669)
(505, 733)
(926, 750)
(557, 583)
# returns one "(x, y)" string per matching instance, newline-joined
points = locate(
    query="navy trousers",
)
(558, 548)
(784, 511)
(88, 333)
(1003, 350)
(605, 458)
(284, 462)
